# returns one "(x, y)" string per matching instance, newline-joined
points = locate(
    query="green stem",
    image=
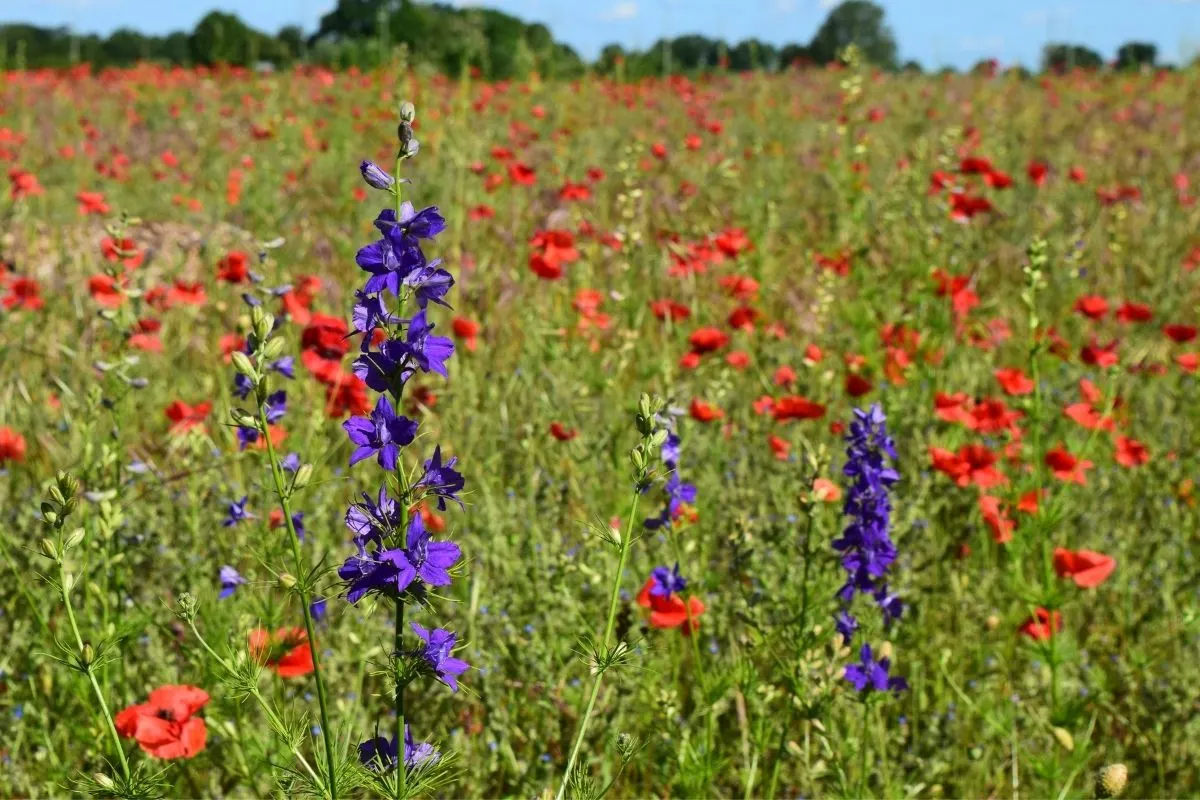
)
(305, 599)
(399, 644)
(276, 723)
(91, 673)
(614, 599)
(863, 749)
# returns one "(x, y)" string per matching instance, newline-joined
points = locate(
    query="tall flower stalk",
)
(396, 558)
(601, 656)
(254, 366)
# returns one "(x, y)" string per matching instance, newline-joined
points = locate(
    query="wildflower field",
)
(829, 433)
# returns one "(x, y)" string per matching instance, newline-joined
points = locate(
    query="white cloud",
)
(625, 10)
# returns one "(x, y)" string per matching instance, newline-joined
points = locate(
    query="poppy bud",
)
(375, 177)
(1110, 780)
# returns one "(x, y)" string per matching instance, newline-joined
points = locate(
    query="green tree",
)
(1135, 55)
(1059, 57)
(857, 22)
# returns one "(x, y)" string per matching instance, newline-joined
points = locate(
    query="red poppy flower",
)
(784, 376)
(123, 250)
(1037, 170)
(738, 359)
(743, 287)
(347, 394)
(857, 385)
(144, 336)
(1130, 452)
(286, 652)
(996, 519)
(743, 318)
(796, 407)
(1087, 417)
(522, 174)
(12, 445)
(1134, 312)
(779, 446)
(1067, 467)
(561, 432)
(998, 179)
(669, 310)
(105, 292)
(826, 490)
(23, 293)
(467, 330)
(972, 464)
(1098, 355)
(953, 408)
(1181, 334)
(1086, 567)
(164, 726)
(185, 417)
(703, 412)
(234, 267)
(707, 340)
(1042, 625)
(186, 293)
(1013, 381)
(964, 207)
(1188, 362)
(91, 203)
(1092, 306)
(671, 611)
(323, 343)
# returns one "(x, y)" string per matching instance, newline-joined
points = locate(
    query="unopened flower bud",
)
(74, 539)
(287, 580)
(88, 655)
(375, 177)
(241, 362)
(408, 112)
(303, 476)
(49, 550)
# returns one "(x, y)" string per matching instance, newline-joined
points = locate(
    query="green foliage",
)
(857, 22)
(1065, 57)
(1135, 55)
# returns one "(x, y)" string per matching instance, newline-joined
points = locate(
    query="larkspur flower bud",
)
(263, 325)
(57, 496)
(1111, 780)
(243, 418)
(241, 362)
(87, 655)
(303, 476)
(287, 580)
(49, 550)
(375, 177)
(273, 348)
(50, 512)
(74, 539)
(187, 607)
(104, 781)
(408, 112)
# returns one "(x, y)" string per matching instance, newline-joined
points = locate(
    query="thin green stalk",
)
(863, 749)
(305, 599)
(91, 673)
(276, 723)
(614, 599)
(399, 644)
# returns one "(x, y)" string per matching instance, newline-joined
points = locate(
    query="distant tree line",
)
(368, 33)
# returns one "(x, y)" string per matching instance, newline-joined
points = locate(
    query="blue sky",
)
(934, 32)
